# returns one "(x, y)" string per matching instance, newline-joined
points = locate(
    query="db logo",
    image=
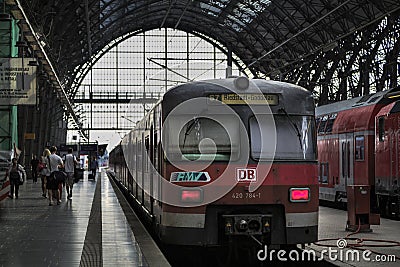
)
(246, 175)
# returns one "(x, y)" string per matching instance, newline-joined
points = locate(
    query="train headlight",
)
(191, 195)
(299, 194)
(242, 83)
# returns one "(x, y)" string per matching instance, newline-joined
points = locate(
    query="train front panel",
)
(272, 197)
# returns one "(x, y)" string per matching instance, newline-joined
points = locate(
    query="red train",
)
(227, 160)
(359, 144)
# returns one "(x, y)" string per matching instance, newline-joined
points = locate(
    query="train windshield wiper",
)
(294, 125)
(189, 128)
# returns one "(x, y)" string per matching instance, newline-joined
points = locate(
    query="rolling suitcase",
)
(78, 174)
(90, 176)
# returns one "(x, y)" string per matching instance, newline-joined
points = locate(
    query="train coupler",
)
(247, 224)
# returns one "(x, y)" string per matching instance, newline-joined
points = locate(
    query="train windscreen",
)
(294, 138)
(204, 138)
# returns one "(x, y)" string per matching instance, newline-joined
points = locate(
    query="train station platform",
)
(383, 242)
(93, 230)
(89, 230)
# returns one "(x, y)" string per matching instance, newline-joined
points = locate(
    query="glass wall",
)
(137, 72)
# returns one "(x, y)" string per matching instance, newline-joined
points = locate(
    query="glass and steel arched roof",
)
(265, 34)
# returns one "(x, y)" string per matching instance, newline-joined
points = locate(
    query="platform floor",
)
(92, 230)
(332, 223)
(89, 230)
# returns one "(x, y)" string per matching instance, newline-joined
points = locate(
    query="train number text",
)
(246, 195)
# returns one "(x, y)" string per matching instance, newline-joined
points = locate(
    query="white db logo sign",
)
(246, 175)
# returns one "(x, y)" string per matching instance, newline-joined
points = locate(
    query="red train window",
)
(360, 148)
(381, 129)
(321, 127)
(329, 123)
(323, 173)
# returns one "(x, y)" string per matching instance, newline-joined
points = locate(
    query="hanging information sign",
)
(17, 81)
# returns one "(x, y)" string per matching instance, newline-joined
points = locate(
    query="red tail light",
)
(191, 195)
(299, 194)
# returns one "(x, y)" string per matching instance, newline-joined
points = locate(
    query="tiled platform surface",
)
(89, 230)
(92, 230)
(332, 224)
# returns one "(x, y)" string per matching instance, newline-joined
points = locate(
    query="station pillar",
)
(9, 33)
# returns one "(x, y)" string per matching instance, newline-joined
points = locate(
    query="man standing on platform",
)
(94, 165)
(56, 163)
(69, 163)
(34, 165)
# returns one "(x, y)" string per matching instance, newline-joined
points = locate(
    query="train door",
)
(394, 156)
(143, 167)
(346, 165)
(397, 157)
(151, 167)
(129, 166)
(136, 167)
(159, 152)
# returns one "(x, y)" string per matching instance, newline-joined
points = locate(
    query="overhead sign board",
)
(29, 136)
(88, 147)
(243, 99)
(64, 147)
(17, 81)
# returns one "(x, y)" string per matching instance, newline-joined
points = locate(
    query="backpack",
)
(59, 176)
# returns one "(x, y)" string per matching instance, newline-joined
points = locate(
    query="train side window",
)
(329, 123)
(317, 121)
(323, 173)
(321, 128)
(147, 154)
(133, 154)
(151, 119)
(360, 148)
(139, 155)
(381, 129)
(157, 118)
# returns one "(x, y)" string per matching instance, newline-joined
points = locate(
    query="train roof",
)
(297, 99)
(382, 97)
(269, 86)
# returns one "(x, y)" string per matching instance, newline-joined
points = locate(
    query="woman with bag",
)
(44, 171)
(16, 174)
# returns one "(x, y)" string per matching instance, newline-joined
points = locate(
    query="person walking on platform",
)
(55, 163)
(93, 167)
(34, 165)
(45, 172)
(15, 173)
(69, 162)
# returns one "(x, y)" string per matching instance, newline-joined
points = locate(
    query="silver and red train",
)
(167, 161)
(359, 144)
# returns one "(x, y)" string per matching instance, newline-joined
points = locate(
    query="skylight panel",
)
(214, 7)
(210, 10)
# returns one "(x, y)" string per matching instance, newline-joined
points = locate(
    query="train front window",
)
(295, 138)
(204, 138)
